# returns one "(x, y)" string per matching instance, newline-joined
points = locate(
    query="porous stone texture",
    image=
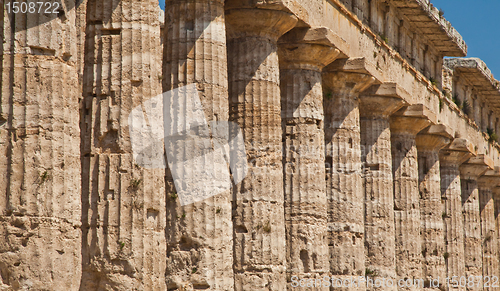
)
(366, 155)
(405, 124)
(302, 118)
(40, 206)
(343, 173)
(450, 159)
(199, 235)
(429, 142)
(123, 215)
(470, 171)
(490, 266)
(254, 100)
(375, 110)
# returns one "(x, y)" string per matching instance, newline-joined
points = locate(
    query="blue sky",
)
(479, 24)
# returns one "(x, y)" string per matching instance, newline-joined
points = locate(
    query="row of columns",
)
(344, 178)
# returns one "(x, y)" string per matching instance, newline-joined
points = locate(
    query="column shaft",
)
(429, 142)
(123, 203)
(199, 235)
(405, 124)
(254, 98)
(470, 172)
(40, 206)
(377, 177)
(343, 173)
(490, 266)
(304, 157)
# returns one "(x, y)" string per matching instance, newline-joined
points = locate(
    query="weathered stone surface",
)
(376, 105)
(40, 186)
(254, 99)
(450, 158)
(199, 236)
(489, 181)
(123, 213)
(470, 171)
(343, 174)
(429, 142)
(302, 57)
(405, 124)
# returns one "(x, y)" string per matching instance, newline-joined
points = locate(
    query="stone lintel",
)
(382, 100)
(316, 35)
(258, 22)
(457, 152)
(412, 119)
(434, 137)
(356, 65)
(490, 179)
(476, 167)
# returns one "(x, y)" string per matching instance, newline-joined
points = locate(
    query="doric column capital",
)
(258, 22)
(457, 152)
(434, 137)
(310, 48)
(382, 100)
(412, 119)
(490, 179)
(350, 77)
(476, 167)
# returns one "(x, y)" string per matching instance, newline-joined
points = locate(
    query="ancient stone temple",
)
(245, 145)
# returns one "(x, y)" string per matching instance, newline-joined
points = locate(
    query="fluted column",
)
(123, 203)
(343, 161)
(199, 235)
(489, 181)
(303, 54)
(254, 99)
(405, 124)
(450, 158)
(470, 171)
(429, 142)
(40, 205)
(376, 105)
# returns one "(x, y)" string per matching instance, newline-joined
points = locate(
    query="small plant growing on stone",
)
(492, 135)
(446, 255)
(194, 270)
(433, 81)
(441, 105)
(173, 196)
(328, 95)
(218, 210)
(183, 214)
(267, 227)
(384, 38)
(457, 101)
(441, 12)
(466, 108)
(443, 215)
(122, 245)
(370, 273)
(44, 177)
(135, 183)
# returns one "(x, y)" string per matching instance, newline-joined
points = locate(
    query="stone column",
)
(254, 99)
(470, 171)
(302, 54)
(450, 158)
(429, 142)
(405, 124)
(123, 203)
(376, 105)
(40, 205)
(199, 235)
(489, 181)
(343, 81)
